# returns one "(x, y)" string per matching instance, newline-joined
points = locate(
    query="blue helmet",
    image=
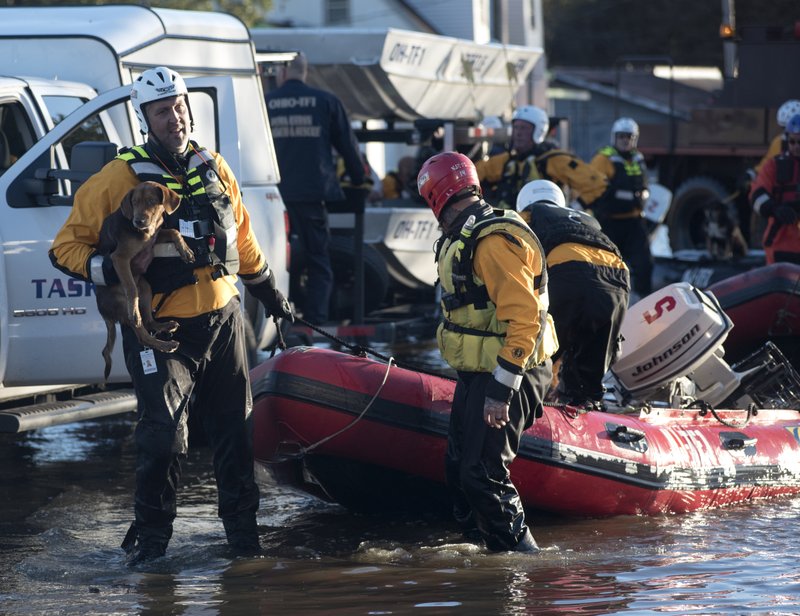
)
(793, 125)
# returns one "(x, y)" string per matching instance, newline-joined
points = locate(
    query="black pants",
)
(477, 457)
(309, 225)
(631, 237)
(587, 304)
(207, 375)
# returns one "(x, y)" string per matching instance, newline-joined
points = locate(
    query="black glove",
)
(275, 303)
(767, 209)
(785, 215)
(744, 181)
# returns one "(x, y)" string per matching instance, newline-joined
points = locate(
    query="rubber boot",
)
(145, 545)
(242, 534)
(527, 544)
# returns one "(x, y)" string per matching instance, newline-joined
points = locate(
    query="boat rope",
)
(363, 351)
(308, 449)
(707, 408)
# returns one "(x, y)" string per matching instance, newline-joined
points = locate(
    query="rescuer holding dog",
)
(207, 375)
(497, 335)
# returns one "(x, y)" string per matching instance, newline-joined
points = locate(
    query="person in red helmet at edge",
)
(496, 333)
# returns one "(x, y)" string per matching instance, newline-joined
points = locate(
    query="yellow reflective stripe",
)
(136, 151)
(632, 168)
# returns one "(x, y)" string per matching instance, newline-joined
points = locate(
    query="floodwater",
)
(66, 502)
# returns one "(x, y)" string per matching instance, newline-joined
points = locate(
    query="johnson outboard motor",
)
(672, 355)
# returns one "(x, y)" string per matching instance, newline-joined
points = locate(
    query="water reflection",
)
(65, 503)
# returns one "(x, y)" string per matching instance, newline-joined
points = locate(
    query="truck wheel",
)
(687, 219)
(376, 278)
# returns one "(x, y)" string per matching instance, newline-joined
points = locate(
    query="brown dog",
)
(128, 236)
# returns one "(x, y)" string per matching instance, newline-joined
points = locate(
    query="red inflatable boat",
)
(341, 424)
(764, 304)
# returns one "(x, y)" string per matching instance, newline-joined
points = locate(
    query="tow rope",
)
(360, 351)
(357, 349)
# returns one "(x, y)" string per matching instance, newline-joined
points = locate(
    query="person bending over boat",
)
(588, 285)
(497, 335)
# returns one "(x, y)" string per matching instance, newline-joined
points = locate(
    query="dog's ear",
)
(127, 204)
(171, 199)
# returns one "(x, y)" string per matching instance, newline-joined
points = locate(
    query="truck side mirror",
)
(87, 158)
(40, 182)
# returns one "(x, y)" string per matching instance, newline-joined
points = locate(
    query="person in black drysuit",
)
(307, 124)
(207, 376)
(589, 286)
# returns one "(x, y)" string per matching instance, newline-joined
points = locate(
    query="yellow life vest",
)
(470, 336)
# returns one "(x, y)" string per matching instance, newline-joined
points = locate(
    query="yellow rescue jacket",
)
(494, 297)
(74, 245)
(503, 175)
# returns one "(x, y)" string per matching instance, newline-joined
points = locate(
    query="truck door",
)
(50, 331)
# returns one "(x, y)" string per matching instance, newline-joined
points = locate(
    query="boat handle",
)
(740, 443)
(621, 434)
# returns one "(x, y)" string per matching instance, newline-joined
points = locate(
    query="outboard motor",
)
(674, 332)
(672, 353)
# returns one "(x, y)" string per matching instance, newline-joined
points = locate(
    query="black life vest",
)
(555, 225)
(204, 218)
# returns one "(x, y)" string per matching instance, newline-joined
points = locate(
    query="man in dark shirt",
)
(307, 125)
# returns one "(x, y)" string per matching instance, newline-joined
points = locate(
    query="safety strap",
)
(459, 329)
(473, 295)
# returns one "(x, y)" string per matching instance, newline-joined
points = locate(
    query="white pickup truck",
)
(65, 76)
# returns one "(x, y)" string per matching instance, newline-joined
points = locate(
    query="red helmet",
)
(444, 175)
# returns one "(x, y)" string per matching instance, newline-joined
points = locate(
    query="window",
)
(91, 130)
(337, 12)
(16, 133)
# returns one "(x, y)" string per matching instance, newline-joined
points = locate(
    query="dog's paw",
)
(164, 327)
(187, 254)
(166, 346)
(135, 317)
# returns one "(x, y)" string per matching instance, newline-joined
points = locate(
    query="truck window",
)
(16, 133)
(91, 130)
(55, 176)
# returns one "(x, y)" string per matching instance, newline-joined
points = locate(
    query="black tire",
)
(376, 278)
(686, 219)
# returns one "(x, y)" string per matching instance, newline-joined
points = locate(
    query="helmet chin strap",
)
(176, 157)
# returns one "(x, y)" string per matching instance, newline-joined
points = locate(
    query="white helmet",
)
(625, 125)
(787, 110)
(495, 122)
(540, 191)
(152, 85)
(536, 116)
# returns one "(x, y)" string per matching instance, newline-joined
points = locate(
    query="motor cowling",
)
(674, 332)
